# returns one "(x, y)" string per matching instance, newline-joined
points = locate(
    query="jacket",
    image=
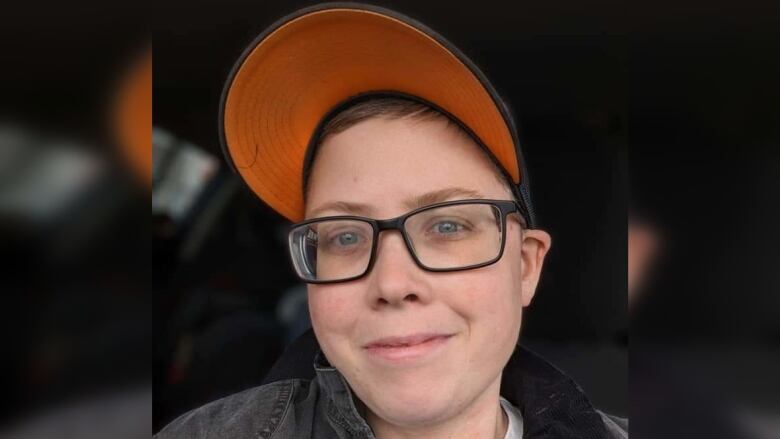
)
(294, 404)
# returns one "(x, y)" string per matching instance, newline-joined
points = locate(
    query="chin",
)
(412, 406)
(414, 414)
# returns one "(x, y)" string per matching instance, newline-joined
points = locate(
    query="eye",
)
(347, 238)
(447, 227)
(344, 240)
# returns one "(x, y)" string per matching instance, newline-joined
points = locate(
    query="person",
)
(414, 231)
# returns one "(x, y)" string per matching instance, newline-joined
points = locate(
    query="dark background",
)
(563, 68)
(75, 308)
(705, 175)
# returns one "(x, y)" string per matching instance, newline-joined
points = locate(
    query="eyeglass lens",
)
(442, 238)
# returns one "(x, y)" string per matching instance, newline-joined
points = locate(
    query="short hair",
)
(391, 108)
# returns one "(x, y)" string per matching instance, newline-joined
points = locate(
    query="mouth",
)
(406, 348)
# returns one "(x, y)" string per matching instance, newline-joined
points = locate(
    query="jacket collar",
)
(341, 406)
(552, 404)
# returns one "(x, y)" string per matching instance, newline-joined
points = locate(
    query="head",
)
(380, 159)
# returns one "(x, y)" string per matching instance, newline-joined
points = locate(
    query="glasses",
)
(449, 236)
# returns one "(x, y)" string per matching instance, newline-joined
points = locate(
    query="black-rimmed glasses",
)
(449, 236)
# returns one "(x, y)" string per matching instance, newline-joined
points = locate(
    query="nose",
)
(395, 278)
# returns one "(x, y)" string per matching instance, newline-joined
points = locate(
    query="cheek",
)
(504, 311)
(489, 302)
(513, 261)
(333, 310)
(502, 316)
(489, 299)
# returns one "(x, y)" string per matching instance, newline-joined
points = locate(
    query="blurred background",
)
(226, 300)
(75, 137)
(704, 211)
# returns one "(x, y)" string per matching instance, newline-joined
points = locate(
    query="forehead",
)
(384, 163)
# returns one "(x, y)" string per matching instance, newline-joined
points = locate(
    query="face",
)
(417, 347)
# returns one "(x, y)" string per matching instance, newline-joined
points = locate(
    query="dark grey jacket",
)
(321, 406)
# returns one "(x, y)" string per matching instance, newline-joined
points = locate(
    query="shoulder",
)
(616, 426)
(256, 412)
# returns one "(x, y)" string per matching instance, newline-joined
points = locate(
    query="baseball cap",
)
(319, 59)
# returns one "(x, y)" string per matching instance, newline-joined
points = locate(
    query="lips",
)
(406, 348)
(394, 342)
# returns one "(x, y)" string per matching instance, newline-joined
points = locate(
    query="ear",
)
(536, 244)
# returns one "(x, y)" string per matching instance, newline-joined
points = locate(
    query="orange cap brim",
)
(308, 63)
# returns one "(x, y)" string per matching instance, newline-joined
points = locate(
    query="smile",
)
(402, 349)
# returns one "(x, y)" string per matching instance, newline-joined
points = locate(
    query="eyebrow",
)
(440, 196)
(342, 206)
(418, 201)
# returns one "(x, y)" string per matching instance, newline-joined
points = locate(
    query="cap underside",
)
(302, 69)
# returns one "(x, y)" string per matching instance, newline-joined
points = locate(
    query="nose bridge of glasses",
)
(390, 224)
(393, 224)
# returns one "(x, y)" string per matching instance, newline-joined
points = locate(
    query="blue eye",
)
(347, 239)
(447, 227)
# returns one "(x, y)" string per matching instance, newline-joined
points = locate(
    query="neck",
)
(483, 418)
